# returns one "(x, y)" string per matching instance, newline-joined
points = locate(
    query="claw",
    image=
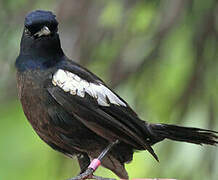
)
(85, 175)
(101, 178)
(88, 174)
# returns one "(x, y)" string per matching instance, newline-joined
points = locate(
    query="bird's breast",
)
(33, 99)
(50, 121)
(31, 94)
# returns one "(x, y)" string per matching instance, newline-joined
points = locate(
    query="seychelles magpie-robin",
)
(76, 113)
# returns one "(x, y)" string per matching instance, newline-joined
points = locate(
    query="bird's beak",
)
(44, 31)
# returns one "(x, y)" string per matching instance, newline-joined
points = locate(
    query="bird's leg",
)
(88, 173)
(107, 149)
(84, 161)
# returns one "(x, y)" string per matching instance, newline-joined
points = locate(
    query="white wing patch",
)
(75, 85)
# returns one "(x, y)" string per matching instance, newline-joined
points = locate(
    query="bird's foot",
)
(88, 174)
(101, 178)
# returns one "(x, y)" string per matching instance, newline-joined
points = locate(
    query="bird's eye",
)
(26, 31)
(53, 27)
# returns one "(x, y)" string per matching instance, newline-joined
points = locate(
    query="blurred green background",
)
(161, 56)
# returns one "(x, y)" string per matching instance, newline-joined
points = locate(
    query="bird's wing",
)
(88, 99)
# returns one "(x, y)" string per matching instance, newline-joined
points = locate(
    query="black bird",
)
(76, 113)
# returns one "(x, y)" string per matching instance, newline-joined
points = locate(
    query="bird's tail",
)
(185, 134)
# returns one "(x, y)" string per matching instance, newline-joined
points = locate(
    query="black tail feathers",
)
(185, 134)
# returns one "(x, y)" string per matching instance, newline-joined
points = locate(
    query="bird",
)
(76, 113)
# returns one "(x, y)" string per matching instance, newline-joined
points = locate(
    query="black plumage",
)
(74, 112)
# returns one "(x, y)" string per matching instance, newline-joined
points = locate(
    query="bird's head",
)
(39, 24)
(40, 33)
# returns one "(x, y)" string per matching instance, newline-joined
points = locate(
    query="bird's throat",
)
(43, 47)
(39, 53)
